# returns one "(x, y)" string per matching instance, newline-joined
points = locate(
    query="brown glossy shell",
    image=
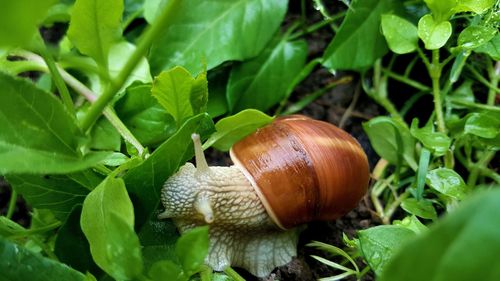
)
(303, 169)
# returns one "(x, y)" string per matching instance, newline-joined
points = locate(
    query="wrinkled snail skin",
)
(293, 171)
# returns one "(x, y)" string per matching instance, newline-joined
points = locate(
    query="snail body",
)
(290, 172)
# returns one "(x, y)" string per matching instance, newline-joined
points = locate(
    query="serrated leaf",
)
(181, 95)
(434, 33)
(144, 116)
(262, 82)
(38, 134)
(18, 263)
(359, 28)
(401, 35)
(94, 26)
(108, 224)
(211, 31)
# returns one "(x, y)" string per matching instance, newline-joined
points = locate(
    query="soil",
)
(330, 107)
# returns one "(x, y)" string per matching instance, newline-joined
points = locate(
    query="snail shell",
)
(303, 169)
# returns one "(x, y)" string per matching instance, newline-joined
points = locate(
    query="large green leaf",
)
(58, 193)
(463, 246)
(401, 35)
(213, 31)
(358, 43)
(145, 181)
(38, 134)
(94, 26)
(491, 48)
(180, 94)
(263, 81)
(108, 223)
(392, 140)
(233, 128)
(71, 247)
(19, 20)
(18, 263)
(144, 116)
(379, 244)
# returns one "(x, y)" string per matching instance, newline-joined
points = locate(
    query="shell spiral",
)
(303, 169)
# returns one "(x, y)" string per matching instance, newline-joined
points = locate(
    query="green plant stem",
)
(481, 79)
(12, 204)
(80, 88)
(160, 25)
(406, 80)
(316, 26)
(39, 230)
(476, 169)
(56, 76)
(494, 73)
(475, 105)
(233, 274)
(435, 73)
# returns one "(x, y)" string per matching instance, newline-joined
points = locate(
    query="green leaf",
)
(263, 81)
(192, 248)
(94, 26)
(233, 128)
(441, 9)
(158, 241)
(434, 33)
(211, 32)
(19, 20)
(175, 90)
(420, 208)
(380, 243)
(476, 6)
(71, 247)
(483, 124)
(199, 93)
(145, 181)
(437, 142)
(491, 48)
(166, 270)
(104, 136)
(475, 35)
(462, 246)
(108, 223)
(359, 28)
(144, 116)
(38, 134)
(447, 182)
(58, 193)
(401, 35)
(392, 140)
(18, 263)
(217, 85)
(412, 223)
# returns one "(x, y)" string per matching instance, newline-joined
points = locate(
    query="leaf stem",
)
(80, 88)
(56, 76)
(406, 80)
(12, 204)
(494, 73)
(161, 23)
(233, 274)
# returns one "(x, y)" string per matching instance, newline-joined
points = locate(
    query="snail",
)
(290, 172)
